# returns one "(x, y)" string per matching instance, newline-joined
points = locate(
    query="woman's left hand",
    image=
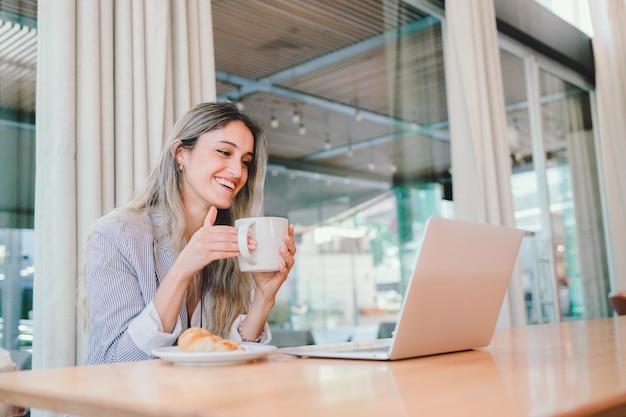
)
(268, 283)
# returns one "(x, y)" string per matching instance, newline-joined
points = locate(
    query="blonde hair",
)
(229, 287)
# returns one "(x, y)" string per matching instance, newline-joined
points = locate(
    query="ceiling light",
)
(274, 122)
(358, 116)
(371, 165)
(393, 168)
(302, 129)
(296, 117)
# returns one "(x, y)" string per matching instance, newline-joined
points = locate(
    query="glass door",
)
(555, 190)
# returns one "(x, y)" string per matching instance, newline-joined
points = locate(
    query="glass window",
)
(359, 147)
(574, 199)
(18, 41)
(556, 194)
(16, 288)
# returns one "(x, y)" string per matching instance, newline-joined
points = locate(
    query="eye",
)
(247, 164)
(224, 152)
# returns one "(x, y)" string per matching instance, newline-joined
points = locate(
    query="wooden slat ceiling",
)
(18, 57)
(346, 56)
(23, 8)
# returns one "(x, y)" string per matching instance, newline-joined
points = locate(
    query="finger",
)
(224, 232)
(287, 257)
(223, 254)
(209, 220)
(283, 270)
(289, 243)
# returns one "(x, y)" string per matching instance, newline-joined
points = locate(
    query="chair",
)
(618, 300)
(22, 358)
(386, 329)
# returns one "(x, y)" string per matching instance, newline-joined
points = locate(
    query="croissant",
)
(196, 339)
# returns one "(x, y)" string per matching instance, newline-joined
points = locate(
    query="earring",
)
(180, 167)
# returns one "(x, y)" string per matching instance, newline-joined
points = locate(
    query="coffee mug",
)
(268, 233)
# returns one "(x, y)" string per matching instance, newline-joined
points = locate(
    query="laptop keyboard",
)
(376, 349)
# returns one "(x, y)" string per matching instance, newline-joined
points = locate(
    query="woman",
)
(7, 365)
(167, 260)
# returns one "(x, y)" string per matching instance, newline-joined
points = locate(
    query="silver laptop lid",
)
(455, 295)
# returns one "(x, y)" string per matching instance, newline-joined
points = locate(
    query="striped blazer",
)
(128, 256)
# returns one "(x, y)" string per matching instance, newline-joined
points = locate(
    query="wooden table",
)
(567, 369)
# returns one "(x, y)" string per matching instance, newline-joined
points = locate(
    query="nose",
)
(235, 168)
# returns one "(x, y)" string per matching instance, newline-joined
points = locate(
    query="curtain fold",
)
(609, 46)
(481, 165)
(54, 317)
(88, 151)
(110, 82)
(590, 244)
(123, 100)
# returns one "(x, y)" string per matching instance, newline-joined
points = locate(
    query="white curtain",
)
(590, 243)
(609, 48)
(112, 78)
(481, 166)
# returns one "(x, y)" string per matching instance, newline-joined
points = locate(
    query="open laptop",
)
(454, 297)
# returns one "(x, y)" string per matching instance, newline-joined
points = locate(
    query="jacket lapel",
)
(164, 258)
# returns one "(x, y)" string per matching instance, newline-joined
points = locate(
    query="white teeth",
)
(226, 183)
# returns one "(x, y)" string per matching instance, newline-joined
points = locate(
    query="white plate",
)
(251, 352)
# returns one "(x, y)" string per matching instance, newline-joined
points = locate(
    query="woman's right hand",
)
(209, 243)
(206, 245)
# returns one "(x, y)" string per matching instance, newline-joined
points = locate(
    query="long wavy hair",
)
(229, 287)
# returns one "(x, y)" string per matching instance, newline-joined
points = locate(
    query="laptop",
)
(453, 299)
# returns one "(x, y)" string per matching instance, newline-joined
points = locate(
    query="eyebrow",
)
(234, 145)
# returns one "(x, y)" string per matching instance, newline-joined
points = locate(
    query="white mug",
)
(268, 233)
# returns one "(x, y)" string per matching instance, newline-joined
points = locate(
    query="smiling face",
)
(216, 168)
